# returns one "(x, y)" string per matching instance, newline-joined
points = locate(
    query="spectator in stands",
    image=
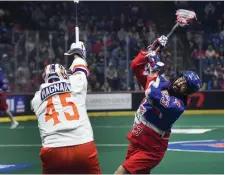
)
(37, 14)
(112, 76)
(97, 87)
(198, 54)
(97, 47)
(5, 63)
(214, 84)
(128, 20)
(2, 13)
(106, 87)
(210, 52)
(122, 34)
(135, 35)
(22, 76)
(3, 27)
(221, 55)
(63, 26)
(217, 40)
(29, 45)
(116, 51)
(221, 81)
(219, 70)
(122, 77)
(209, 9)
(207, 76)
(209, 71)
(140, 25)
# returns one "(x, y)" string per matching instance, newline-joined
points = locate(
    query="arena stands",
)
(35, 33)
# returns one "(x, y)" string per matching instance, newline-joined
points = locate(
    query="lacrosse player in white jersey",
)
(65, 129)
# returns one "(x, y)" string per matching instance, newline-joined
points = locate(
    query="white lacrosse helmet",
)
(77, 48)
(54, 72)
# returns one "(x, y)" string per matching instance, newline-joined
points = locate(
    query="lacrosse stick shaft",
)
(76, 28)
(169, 34)
(77, 34)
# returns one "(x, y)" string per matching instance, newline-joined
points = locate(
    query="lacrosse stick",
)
(70, 52)
(76, 28)
(184, 17)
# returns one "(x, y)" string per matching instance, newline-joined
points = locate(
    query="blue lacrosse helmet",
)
(193, 81)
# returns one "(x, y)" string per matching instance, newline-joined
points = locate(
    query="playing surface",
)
(22, 145)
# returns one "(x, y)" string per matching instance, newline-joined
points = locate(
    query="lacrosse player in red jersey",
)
(162, 106)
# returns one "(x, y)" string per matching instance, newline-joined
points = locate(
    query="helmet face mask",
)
(187, 83)
(180, 86)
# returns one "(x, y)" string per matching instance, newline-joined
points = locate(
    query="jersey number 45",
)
(52, 114)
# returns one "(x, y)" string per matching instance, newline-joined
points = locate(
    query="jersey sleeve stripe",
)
(81, 68)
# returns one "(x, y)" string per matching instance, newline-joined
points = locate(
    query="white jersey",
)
(61, 110)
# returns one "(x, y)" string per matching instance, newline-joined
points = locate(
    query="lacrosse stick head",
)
(184, 17)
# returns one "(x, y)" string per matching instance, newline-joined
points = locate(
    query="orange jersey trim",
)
(80, 66)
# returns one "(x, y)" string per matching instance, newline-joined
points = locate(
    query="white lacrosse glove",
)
(77, 48)
(159, 42)
(162, 40)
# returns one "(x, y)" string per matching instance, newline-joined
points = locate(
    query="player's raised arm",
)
(142, 62)
(139, 67)
(78, 68)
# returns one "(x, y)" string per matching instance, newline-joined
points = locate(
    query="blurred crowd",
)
(35, 34)
(206, 42)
